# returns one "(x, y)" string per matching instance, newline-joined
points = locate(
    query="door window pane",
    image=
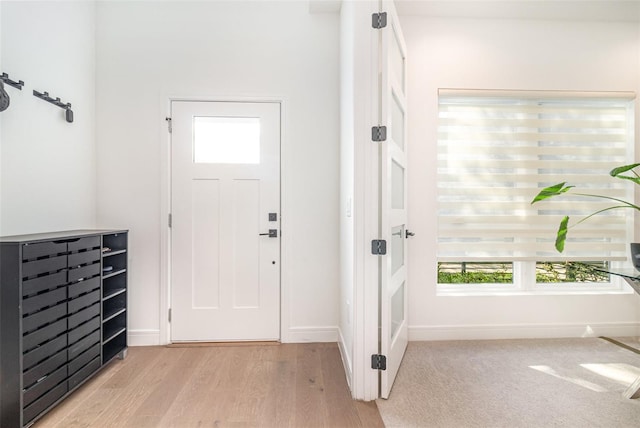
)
(397, 60)
(397, 310)
(397, 186)
(397, 123)
(397, 248)
(234, 140)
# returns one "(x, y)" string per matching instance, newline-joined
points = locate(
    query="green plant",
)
(559, 272)
(561, 188)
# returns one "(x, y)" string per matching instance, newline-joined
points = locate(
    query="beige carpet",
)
(515, 383)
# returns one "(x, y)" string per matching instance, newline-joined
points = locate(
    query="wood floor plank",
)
(284, 385)
(310, 399)
(255, 387)
(214, 404)
(155, 405)
(124, 409)
(195, 404)
(368, 414)
(276, 408)
(340, 410)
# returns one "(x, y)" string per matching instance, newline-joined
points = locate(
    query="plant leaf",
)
(548, 192)
(619, 170)
(561, 236)
(617, 173)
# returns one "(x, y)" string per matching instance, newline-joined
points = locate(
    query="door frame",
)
(286, 181)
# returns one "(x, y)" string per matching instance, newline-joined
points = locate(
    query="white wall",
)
(504, 54)
(149, 51)
(47, 166)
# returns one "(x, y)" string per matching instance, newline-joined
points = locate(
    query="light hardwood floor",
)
(271, 385)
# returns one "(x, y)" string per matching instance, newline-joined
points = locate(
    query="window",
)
(231, 140)
(496, 150)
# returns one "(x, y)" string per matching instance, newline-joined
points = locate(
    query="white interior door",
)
(225, 235)
(393, 199)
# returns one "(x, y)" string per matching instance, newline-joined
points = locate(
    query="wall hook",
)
(18, 85)
(56, 102)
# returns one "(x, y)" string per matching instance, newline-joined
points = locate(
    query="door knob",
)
(273, 233)
(408, 234)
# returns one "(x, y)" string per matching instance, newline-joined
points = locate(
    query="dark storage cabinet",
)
(63, 316)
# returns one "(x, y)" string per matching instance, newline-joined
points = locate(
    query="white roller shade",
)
(497, 149)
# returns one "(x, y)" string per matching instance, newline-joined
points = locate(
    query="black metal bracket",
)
(379, 247)
(56, 102)
(379, 133)
(378, 362)
(379, 20)
(5, 78)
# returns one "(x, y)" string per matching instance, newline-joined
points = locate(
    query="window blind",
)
(497, 149)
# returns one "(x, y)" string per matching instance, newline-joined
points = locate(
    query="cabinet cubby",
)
(114, 244)
(114, 264)
(114, 295)
(113, 305)
(113, 284)
(63, 316)
(113, 347)
(114, 326)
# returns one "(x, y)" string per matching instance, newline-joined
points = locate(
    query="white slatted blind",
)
(496, 150)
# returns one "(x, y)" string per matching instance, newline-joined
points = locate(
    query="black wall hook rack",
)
(5, 78)
(56, 102)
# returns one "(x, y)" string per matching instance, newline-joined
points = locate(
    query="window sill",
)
(544, 292)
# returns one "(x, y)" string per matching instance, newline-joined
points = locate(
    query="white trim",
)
(165, 236)
(468, 291)
(524, 94)
(312, 334)
(143, 337)
(164, 333)
(286, 219)
(346, 360)
(521, 331)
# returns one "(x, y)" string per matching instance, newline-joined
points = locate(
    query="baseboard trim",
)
(143, 337)
(296, 335)
(522, 331)
(346, 359)
(312, 334)
(439, 332)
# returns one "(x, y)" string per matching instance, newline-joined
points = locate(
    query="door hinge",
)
(169, 126)
(379, 20)
(170, 221)
(169, 316)
(379, 133)
(378, 247)
(378, 362)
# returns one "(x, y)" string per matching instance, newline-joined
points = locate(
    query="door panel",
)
(205, 264)
(225, 275)
(393, 200)
(247, 244)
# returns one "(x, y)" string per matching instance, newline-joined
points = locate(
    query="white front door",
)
(393, 199)
(225, 207)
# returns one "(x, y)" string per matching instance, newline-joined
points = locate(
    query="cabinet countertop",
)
(48, 236)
